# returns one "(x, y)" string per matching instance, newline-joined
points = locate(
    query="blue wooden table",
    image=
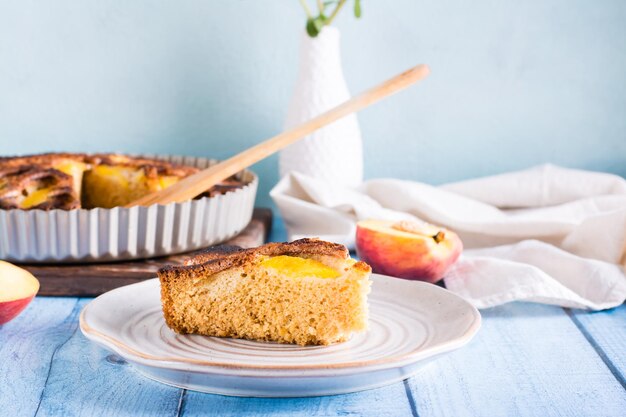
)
(527, 360)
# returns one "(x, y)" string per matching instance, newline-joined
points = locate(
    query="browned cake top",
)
(19, 180)
(220, 258)
(151, 167)
(42, 159)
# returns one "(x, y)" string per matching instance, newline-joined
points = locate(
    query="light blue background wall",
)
(514, 83)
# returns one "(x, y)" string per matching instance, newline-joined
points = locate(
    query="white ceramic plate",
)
(410, 323)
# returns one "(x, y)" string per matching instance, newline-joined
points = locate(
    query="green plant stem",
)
(306, 9)
(334, 13)
(320, 6)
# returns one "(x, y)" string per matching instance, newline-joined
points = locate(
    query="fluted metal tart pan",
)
(101, 235)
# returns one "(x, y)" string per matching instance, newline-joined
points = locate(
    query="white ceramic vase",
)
(335, 152)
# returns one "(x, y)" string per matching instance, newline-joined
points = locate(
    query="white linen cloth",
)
(547, 234)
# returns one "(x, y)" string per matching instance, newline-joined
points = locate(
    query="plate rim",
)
(414, 355)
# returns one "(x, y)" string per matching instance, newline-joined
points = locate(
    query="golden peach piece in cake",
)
(27, 187)
(116, 180)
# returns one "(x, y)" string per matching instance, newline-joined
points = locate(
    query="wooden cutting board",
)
(88, 280)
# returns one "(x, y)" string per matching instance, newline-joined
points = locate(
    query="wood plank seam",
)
(73, 318)
(409, 395)
(594, 344)
(181, 402)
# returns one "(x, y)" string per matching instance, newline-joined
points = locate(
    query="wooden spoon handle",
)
(196, 184)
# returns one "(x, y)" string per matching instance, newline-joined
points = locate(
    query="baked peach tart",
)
(308, 292)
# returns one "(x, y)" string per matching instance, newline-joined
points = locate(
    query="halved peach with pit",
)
(407, 249)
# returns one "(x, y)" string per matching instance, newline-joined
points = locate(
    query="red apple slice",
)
(17, 289)
(406, 249)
